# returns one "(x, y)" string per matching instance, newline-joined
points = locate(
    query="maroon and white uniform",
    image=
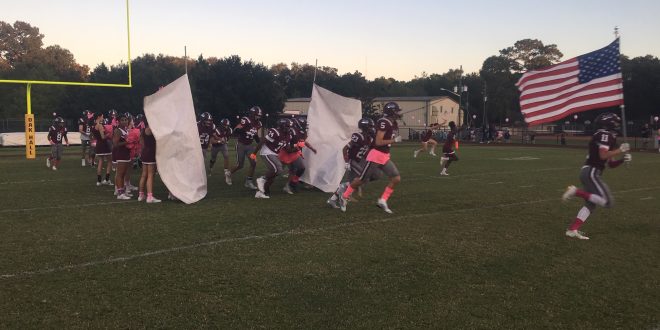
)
(121, 153)
(249, 131)
(222, 134)
(56, 134)
(205, 133)
(427, 135)
(359, 146)
(86, 126)
(274, 142)
(448, 147)
(391, 129)
(148, 155)
(602, 139)
(102, 146)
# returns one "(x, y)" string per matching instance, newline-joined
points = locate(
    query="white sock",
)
(584, 214)
(596, 199)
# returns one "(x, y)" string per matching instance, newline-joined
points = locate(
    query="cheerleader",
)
(121, 154)
(101, 149)
(148, 157)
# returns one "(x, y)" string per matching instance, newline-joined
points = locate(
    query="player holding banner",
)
(602, 148)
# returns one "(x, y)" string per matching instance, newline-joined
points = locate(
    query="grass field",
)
(483, 248)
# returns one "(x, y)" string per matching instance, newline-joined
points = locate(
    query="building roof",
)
(299, 99)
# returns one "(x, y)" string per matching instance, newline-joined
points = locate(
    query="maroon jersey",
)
(600, 139)
(359, 146)
(250, 129)
(102, 145)
(86, 126)
(121, 152)
(148, 154)
(427, 135)
(276, 140)
(222, 134)
(56, 134)
(449, 143)
(391, 129)
(205, 133)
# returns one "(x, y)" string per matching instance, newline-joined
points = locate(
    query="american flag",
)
(590, 81)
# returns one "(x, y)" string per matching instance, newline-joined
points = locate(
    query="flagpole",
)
(623, 105)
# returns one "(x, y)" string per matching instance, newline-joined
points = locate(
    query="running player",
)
(219, 141)
(206, 128)
(427, 139)
(291, 155)
(602, 150)
(247, 130)
(448, 151)
(378, 158)
(276, 139)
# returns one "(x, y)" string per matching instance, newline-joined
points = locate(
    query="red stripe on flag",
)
(577, 110)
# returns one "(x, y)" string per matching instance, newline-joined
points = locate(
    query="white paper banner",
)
(332, 120)
(171, 116)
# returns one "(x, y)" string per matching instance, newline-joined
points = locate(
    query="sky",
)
(398, 39)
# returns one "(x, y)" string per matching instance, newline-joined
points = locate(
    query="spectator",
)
(563, 139)
(532, 138)
(507, 135)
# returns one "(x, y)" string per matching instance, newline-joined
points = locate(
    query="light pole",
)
(485, 99)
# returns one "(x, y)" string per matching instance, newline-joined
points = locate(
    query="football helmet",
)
(284, 123)
(365, 124)
(392, 109)
(58, 121)
(205, 116)
(225, 122)
(301, 122)
(86, 113)
(112, 113)
(452, 125)
(256, 112)
(608, 121)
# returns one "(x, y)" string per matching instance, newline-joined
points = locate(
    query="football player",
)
(206, 128)
(148, 157)
(602, 150)
(219, 141)
(247, 130)
(276, 139)
(122, 155)
(84, 128)
(291, 155)
(378, 158)
(355, 156)
(56, 134)
(102, 149)
(448, 151)
(427, 139)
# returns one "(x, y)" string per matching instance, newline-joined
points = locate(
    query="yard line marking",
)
(36, 181)
(498, 182)
(508, 172)
(62, 206)
(530, 186)
(646, 198)
(291, 232)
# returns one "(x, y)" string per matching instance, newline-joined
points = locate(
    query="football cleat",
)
(151, 200)
(260, 194)
(332, 203)
(47, 162)
(250, 185)
(444, 173)
(432, 154)
(98, 183)
(109, 183)
(287, 189)
(383, 205)
(54, 168)
(172, 197)
(415, 153)
(228, 177)
(576, 234)
(261, 182)
(570, 192)
(342, 202)
(83, 162)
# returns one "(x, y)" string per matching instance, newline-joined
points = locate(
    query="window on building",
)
(434, 111)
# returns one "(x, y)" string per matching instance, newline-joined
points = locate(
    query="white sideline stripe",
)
(36, 181)
(63, 206)
(273, 235)
(498, 182)
(646, 198)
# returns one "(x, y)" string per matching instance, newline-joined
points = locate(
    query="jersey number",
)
(604, 138)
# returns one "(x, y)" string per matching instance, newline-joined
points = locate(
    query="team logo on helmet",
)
(365, 124)
(256, 112)
(609, 121)
(392, 109)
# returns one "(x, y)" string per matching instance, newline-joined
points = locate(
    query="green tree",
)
(530, 54)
